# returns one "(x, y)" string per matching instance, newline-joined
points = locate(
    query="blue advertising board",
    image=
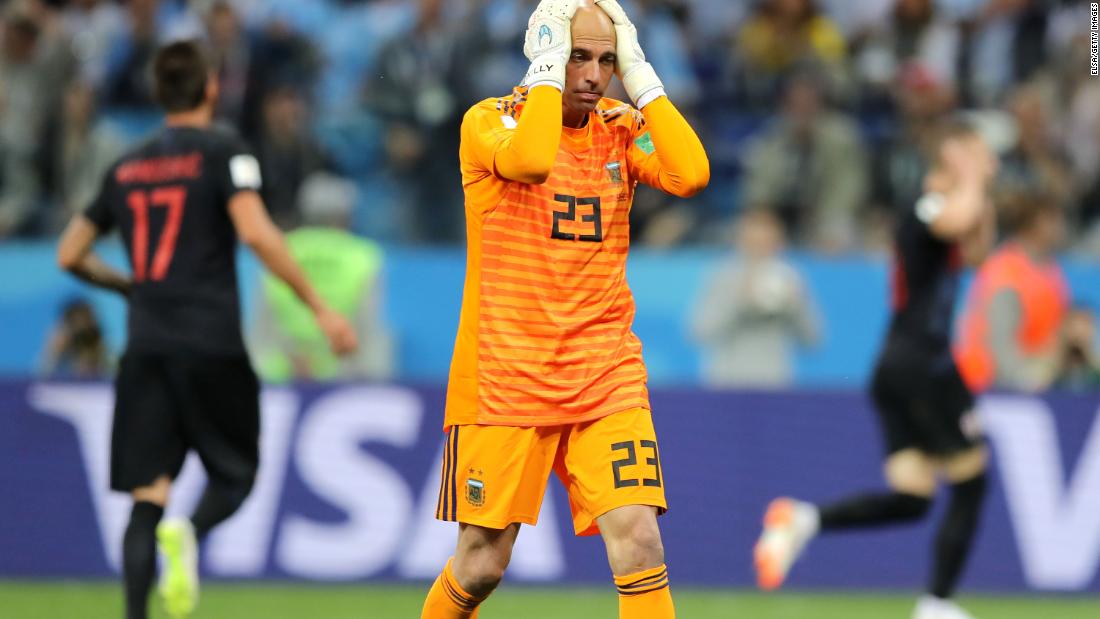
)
(348, 485)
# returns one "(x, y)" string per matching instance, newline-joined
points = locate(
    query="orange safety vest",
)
(1044, 299)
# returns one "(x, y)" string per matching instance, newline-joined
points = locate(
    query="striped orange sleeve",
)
(523, 152)
(666, 153)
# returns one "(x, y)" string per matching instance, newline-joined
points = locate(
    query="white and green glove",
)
(549, 43)
(639, 78)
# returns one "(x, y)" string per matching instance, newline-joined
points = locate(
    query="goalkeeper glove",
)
(639, 78)
(548, 43)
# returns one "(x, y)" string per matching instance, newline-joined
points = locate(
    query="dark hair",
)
(180, 71)
(1020, 210)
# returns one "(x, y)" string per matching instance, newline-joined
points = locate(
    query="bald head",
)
(591, 62)
(590, 23)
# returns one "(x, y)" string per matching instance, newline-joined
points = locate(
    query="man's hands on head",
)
(549, 43)
(639, 78)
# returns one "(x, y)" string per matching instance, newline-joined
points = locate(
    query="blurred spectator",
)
(1034, 165)
(21, 122)
(899, 163)
(231, 57)
(353, 39)
(753, 311)
(419, 91)
(499, 26)
(912, 33)
(54, 52)
(127, 83)
(1003, 42)
(1076, 94)
(347, 273)
(665, 31)
(784, 35)
(659, 221)
(92, 25)
(75, 347)
(31, 85)
(289, 61)
(85, 149)
(810, 168)
(1080, 93)
(1080, 364)
(288, 154)
(1009, 335)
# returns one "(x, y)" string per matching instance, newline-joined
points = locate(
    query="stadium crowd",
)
(814, 110)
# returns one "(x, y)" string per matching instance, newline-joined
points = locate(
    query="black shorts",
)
(167, 405)
(923, 403)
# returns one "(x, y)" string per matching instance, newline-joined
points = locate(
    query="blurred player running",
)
(181, 201)
(547, 374)
(925, 409)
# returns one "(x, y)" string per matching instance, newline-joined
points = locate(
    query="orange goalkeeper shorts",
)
(494, 476)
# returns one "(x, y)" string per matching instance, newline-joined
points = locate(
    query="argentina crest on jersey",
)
(614, 171)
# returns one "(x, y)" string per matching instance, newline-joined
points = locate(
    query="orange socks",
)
(447, 599)
(645, 595)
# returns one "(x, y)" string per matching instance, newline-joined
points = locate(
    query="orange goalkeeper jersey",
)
(545, 332)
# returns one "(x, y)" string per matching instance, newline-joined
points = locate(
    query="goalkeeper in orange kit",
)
(547, 374)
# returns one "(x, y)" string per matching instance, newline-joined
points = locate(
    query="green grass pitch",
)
(102, 600)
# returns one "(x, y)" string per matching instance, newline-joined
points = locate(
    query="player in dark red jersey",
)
(925, 409)
(181, 201)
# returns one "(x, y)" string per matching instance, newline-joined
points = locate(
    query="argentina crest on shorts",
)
(475, 490)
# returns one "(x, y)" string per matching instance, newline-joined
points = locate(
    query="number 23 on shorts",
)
(630, 451)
